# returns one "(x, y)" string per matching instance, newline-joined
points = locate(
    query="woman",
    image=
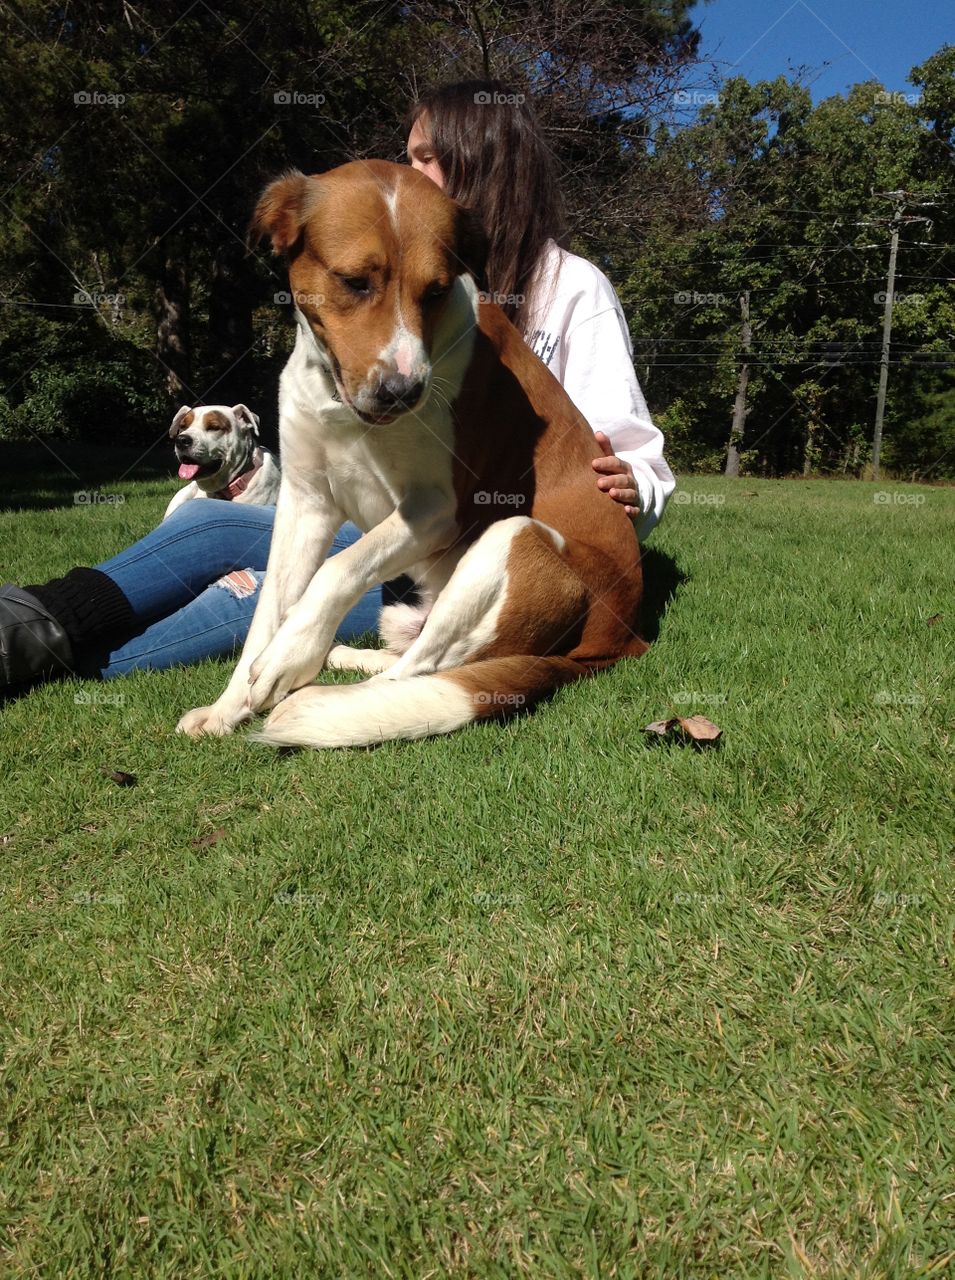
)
(188, 589)
(482, 144)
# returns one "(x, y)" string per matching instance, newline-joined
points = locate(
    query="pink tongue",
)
(187, 470)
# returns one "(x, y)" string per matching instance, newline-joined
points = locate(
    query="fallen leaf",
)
(121, 778)
(89, 826)
(697, 728)
(662, 727)
(936, 617)
(700, 729)
(8, 838)
(211, 837)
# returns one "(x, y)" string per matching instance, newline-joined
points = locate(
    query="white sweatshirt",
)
(579, 331)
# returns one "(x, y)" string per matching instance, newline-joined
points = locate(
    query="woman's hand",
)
(616, 477)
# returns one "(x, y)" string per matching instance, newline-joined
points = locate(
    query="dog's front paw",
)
(288, 663)
(270, 682)
(206, 720)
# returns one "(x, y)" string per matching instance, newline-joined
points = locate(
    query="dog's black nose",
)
(400, 392)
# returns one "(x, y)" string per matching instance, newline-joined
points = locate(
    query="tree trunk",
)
(230, 325)
(807, 449)
(172, 328)
(740, 409)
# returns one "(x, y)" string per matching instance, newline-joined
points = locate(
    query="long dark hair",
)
(495, 161)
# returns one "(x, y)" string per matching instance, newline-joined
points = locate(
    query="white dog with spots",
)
(218, 454)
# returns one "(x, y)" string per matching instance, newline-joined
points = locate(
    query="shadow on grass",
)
(662, 579)
(40, 477)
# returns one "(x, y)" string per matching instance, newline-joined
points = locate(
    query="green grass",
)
(543, 998)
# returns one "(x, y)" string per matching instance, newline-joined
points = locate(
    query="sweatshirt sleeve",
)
(592, 356)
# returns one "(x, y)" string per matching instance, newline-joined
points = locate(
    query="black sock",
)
(87, 604)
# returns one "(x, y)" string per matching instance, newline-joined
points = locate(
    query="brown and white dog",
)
(217, 450)
(415, 409)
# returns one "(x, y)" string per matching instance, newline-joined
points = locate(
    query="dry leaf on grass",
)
(695, 728)
(936, 617)
(700, 729)
(120, 777)
(662, 727)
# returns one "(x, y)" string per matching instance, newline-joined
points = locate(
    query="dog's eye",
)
(357, 284)
(436, 291)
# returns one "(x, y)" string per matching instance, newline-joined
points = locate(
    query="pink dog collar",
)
(240, 483)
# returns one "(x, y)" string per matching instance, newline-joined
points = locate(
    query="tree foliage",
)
(135, 138)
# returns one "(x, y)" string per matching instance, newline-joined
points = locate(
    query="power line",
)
(61, 306)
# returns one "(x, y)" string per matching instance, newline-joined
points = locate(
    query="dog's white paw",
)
(205, 721)
(268, 686)
(341, 657)
(289, 663)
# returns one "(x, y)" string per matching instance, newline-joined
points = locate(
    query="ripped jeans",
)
(193, 583)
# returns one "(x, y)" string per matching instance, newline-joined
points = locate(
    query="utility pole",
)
(886, 336)
(739, 407)
(901, 199)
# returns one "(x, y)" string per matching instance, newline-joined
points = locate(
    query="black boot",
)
(42, 627)
(33, 644)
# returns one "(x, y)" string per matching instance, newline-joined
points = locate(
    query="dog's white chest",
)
(367, 470)
(372, 474)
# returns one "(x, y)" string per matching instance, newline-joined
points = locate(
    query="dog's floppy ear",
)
(281, 212)
(471, 243)
(244, 414)
(178, 423)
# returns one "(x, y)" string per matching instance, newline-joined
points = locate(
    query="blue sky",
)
(843, 42)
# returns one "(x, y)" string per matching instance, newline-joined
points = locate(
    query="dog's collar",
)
(241, 482)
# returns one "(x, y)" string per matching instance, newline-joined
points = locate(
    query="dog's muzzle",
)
(191, 467)
(397, 394)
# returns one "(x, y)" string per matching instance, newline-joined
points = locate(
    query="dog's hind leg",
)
(399, 627)
(341, 657)
(469, 619)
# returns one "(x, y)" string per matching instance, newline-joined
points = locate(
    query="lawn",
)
(545, 998)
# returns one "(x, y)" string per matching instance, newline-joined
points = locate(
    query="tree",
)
(786, 211)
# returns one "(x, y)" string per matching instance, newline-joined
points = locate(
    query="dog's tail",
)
(373, 711)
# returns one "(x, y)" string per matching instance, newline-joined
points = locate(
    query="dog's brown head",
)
(374, 251)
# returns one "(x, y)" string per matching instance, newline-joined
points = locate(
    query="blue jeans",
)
(193, 583)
